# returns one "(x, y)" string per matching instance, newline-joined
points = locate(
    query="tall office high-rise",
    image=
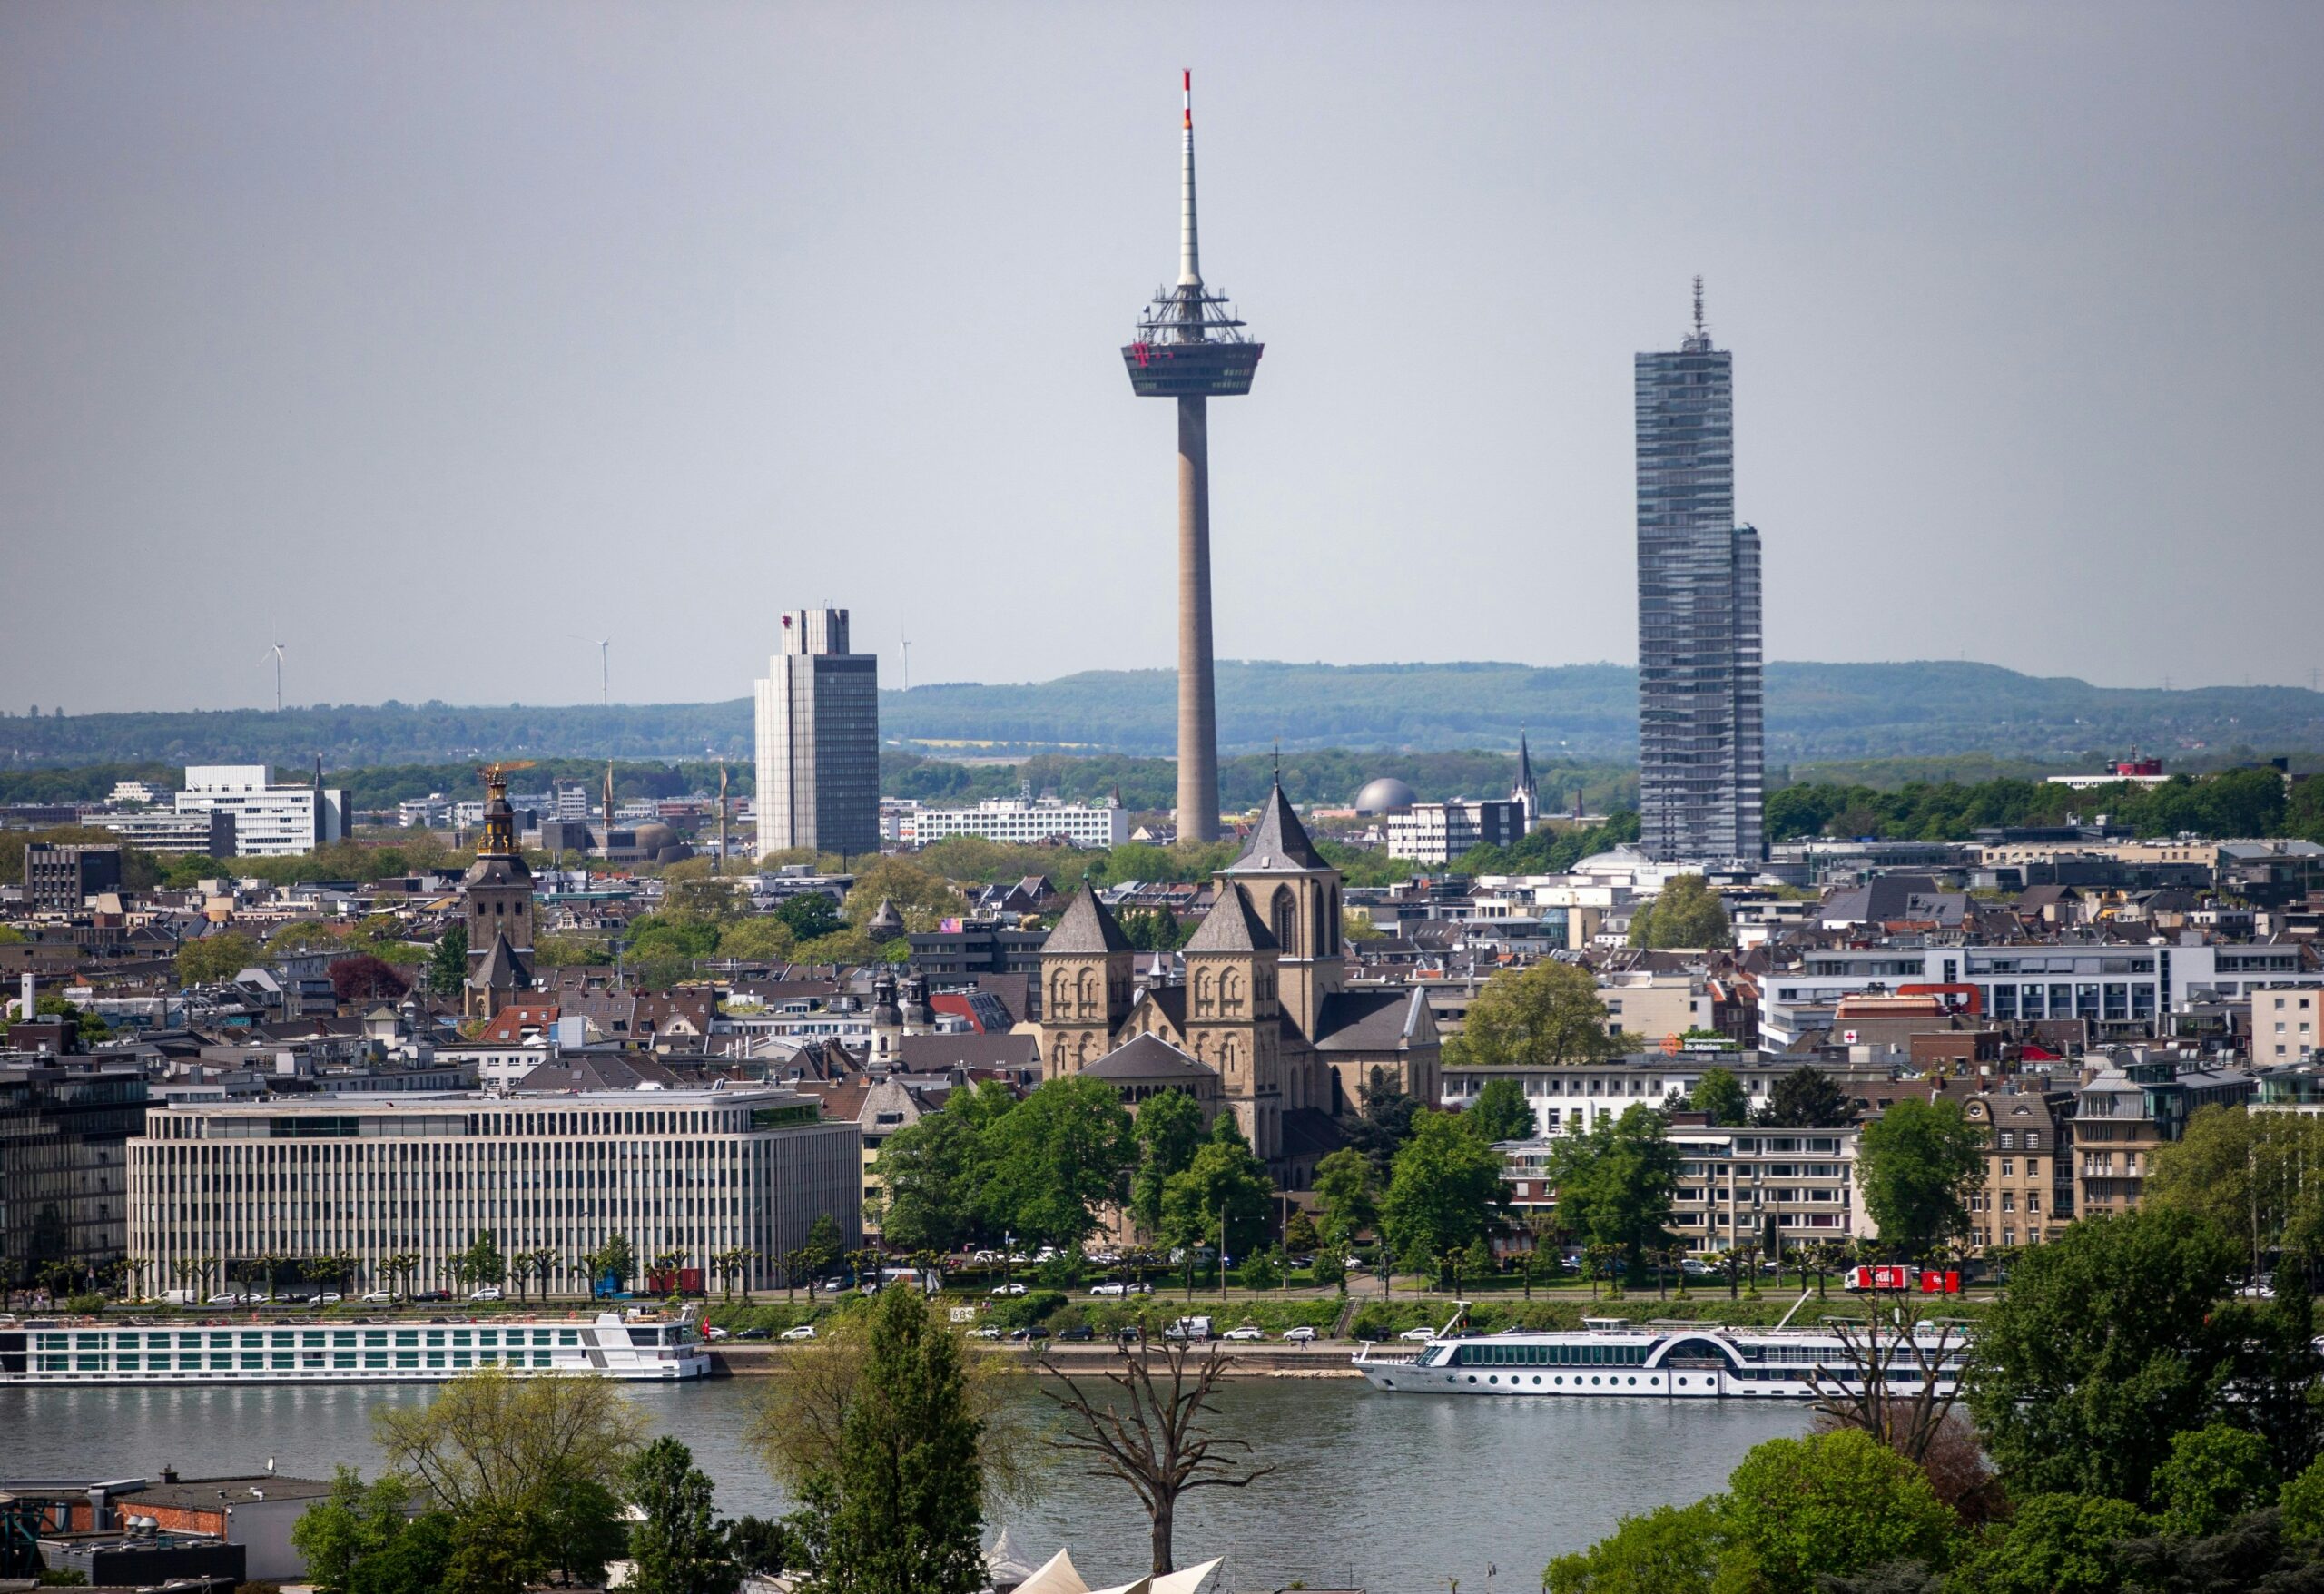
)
(819, 740)
(1701, 745)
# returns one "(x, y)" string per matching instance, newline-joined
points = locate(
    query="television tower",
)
(1190, 346)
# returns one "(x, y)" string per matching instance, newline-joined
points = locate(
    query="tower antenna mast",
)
(1189, 346)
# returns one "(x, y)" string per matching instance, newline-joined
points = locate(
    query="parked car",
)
(379, 1297)
(1127, 1330)
(1245, 1331)
(327, 1298)
(1079, 1331)
(1300, 1334)
(989, 1331)
(1417, 1333)
(751, 1333)
(1695, 1267)
(805, 1330)
(1109, 1289)
(487, 1292)
(227, 1299)
(1035, 1333)
(433, 1295)
(1011, 1289)
(714, 1332)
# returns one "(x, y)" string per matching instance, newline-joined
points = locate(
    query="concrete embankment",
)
(1321, 1359)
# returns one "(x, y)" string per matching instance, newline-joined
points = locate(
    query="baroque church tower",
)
(497, 906)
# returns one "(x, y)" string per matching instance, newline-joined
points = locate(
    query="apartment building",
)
(2284, 1025)
(2124, 1112)
(1772, 1188)
(695, 1172)
(60, 879)
(1437, 832)
(1573, 1097)
(2028, 1195)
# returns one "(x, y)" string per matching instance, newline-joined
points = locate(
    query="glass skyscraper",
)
(1699, 716)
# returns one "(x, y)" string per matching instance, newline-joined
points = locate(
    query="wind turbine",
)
(605, 666)
(907, 641)
(275, 653)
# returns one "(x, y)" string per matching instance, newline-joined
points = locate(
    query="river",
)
(1394, 1494)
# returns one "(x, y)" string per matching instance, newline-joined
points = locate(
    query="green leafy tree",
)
(809, 916)
(1616, 1183)
(2214, 1474)
(1671, 1550)
(1720, 1094)
(2302, 1502)
(447, 965)
(496, 1550)
(616, 1259)
(759, 940)
(1446, 1189)
(895, 1509)
(1300, 1236)
(212, 960)
(1057, 1158)
(1916, 1163)
(581, 1526)
(355, 1520)
(1223, 1195)
(2106, 1345)
(1347, 1189)
(1500, 1112)
(482, 1261)
(1832, 1505)
(417, 1560)
(1548, 1013)
(2259, 1176)
(823, 1247)
(1168, 1132)
(489, 1437)
(2055, 1544)
(679, 1546)
(934, 1171)
(1262, 1270)
(1687, 913)
(1805, 1098)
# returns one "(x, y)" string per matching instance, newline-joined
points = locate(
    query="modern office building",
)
(693, 1172)
(1437, 832)
(818, 741)
(64, 1131)
(207, 833)
(270, 821)
(1080, 824)
(1700, 736)
(62, 879)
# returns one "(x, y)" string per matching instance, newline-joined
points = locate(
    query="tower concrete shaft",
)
(1190, 346)
(1197, 693)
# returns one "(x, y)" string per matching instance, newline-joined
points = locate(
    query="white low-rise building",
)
(1092, 825)
(693, 1172)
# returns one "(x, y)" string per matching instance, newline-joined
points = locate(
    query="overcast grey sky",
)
(432, 340)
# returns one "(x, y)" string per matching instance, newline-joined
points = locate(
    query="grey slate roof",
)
(1150, 1057)
(1367, 1021)
(1087, 926)
(1278, 842)
(1232, 925)
(504, 967)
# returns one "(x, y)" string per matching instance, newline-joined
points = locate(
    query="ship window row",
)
(1586, 1356)
(284, 1361)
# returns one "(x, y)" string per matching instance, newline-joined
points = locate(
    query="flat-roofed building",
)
(1772, 1188)
(695, 1172)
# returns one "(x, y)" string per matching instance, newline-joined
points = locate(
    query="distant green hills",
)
(1815, 712)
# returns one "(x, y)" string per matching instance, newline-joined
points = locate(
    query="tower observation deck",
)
(1190, 347)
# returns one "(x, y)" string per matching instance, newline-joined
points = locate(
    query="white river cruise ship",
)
(1660, 1361)
(637, 1346)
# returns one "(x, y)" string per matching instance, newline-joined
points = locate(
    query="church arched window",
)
(1285, 916)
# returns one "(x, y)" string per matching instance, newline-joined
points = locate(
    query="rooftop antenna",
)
(1698, 304)
(274, 651)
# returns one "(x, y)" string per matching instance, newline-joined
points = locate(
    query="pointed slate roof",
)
(1232, 925)
(1087, 926)
(1278, 842)
(503, 969)
(1524, 766)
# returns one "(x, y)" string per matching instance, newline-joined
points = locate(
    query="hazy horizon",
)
(436, 343)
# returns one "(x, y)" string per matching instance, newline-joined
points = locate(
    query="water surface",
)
(1386, 1492)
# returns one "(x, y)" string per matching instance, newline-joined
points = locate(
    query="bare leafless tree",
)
(1874, 1356)
(1150, 1430)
